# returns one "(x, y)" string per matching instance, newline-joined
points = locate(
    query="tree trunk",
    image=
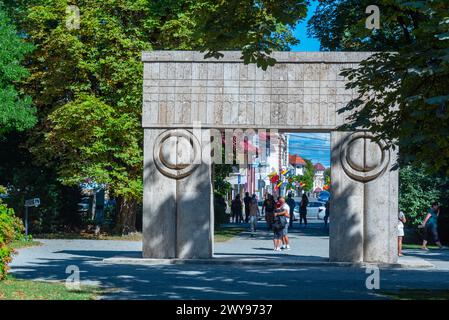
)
(127, 210)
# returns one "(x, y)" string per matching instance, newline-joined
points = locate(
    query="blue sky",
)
(306, 43)
(312, 146)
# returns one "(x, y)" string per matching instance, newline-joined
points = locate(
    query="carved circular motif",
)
(176, 153)
(362, 158)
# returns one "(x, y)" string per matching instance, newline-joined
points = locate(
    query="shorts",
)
(432, 233)
(285, 230)
(400, 231)
(278, 234)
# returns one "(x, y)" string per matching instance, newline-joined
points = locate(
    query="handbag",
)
(281, 221)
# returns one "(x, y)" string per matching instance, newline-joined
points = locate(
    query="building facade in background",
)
(318, 178)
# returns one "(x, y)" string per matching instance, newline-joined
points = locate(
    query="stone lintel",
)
(235, 56)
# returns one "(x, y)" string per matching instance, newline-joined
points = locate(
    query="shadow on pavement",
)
(224, 281)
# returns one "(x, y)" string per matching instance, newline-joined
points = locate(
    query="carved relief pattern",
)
(177, 153)
(362, 158)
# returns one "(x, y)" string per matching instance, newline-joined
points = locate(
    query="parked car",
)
(313, 208)
(324, 196)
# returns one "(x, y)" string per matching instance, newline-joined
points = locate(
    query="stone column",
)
(177, 204)
(364, 200)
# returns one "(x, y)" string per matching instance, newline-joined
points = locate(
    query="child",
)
(401, 222)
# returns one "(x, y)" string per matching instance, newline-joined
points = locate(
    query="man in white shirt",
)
(286, 213)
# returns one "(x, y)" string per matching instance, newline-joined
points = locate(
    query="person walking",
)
(236, 209)
(268, 209)
(326, 213)
(303, 210)
(253, 213)
(430, 225)
(291, 204)
(401, 222)
(246, 201)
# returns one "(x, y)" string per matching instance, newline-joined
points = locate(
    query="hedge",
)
(10, 228)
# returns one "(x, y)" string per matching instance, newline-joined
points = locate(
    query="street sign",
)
(33, 202)
(30, 203)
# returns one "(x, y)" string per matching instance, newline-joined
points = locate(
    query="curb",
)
(223, 261)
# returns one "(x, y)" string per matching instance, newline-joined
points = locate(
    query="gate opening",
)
(297, 168)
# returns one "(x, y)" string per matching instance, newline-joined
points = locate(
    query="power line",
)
(311, 148)
(304, 137)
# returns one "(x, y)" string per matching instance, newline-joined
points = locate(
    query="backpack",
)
(279, 223)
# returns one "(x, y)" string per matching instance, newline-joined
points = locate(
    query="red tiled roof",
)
(294, 159)
(319, 167)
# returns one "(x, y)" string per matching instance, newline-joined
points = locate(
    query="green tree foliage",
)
(16, 112)
(340, 25)
(404, 89)
(307, 177)
(93, 142)
(10, 228)
(26, 179)
(87, 82)
(418, 190)
(254, 27)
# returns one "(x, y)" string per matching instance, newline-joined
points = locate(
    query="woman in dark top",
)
(268, 208)
(430, 224)
(236, 209)
(303, 210)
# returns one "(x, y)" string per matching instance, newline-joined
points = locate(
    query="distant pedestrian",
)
(236, 209)
(326, 213)
(253, 214)
(246, 201)
(291, 204)
(268, 208)
(401, 222)
(303, 210)
(430, 225)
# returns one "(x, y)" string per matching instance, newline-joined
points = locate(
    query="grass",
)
(418, 294)
(89, 236)
(17, 244)
(16, 289)
(221, 235)
(225, 234)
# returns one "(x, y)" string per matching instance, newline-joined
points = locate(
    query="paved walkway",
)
(210, 281)
(308, 244)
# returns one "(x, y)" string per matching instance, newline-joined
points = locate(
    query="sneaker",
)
(425, 248)
(283, 247)
(277, 249)
(287, 247)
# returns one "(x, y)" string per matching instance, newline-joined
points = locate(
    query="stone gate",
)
(185, 97)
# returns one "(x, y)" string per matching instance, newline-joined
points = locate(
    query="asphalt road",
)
(211, 281)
